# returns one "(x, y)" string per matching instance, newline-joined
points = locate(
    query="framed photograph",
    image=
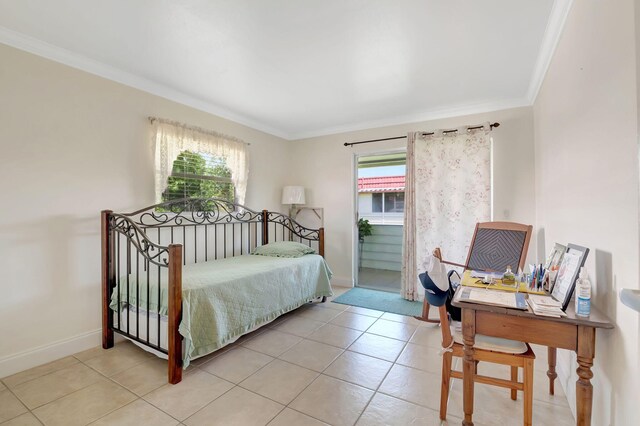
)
(553, 263)
(573, 259)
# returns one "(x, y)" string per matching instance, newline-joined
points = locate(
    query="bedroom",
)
(76, 140)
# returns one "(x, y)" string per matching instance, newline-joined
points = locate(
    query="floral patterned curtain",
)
(448, 190)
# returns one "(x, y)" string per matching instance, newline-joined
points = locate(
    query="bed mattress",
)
(223, 299)
(133, 315)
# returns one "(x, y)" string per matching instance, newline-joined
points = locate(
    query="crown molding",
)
(552, 33)
(427, 115)
(81, 62)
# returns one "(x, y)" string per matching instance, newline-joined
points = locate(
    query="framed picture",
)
(573, 259)
(553, 263)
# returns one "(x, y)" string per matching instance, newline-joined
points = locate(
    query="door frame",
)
(354, 199)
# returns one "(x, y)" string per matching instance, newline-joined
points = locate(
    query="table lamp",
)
(293, 195)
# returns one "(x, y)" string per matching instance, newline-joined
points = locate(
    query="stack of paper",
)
(545, 306)
(492, 297)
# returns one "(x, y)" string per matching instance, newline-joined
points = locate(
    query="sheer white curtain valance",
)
(448, 190)
(171, 138)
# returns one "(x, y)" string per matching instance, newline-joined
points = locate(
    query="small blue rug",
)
(380, 301)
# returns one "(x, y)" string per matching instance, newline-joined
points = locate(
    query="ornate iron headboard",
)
(153, 243)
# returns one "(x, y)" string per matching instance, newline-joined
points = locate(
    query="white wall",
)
(73, 144)
(586, 132)
(325, 167)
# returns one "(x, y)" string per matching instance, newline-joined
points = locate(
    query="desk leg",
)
(584, 389)
(551, 373)
(469, 365)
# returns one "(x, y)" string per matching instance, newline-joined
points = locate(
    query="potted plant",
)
(364, 230)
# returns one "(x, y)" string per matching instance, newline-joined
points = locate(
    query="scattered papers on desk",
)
(468, 280)
(484, 274)
(492, 297)
(546, 306)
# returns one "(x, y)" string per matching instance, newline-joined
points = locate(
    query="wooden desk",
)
(573, 333)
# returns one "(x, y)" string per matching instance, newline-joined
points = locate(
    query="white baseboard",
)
(43, 354)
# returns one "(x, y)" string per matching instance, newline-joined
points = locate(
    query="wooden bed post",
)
(175, 313)
(108, 275)
(321, 242)
(321, 251)
(265, 227)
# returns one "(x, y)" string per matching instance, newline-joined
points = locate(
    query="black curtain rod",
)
(424, 134)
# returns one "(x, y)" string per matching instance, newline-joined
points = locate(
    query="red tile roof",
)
(381, 184)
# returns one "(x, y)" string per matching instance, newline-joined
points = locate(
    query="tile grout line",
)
(126, 405)
(405, 344)
(347, 349)
(23, 404)
(200, 409)
(137, 397)
(302, 338)
(319, 373)
(112, 381)
(199, 367)
(255, 372)
(63, 396)
(385, 376)
(31, 411)
(43, 375)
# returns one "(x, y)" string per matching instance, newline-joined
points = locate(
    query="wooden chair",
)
(486, 349)
(494, 246)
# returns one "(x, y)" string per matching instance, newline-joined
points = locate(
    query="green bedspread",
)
(224, 299)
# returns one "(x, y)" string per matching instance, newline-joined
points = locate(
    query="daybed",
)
(178, 278)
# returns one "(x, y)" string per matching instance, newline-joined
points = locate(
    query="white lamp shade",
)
(293, 195)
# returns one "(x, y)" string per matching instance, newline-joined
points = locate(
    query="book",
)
(493, 297)
(547, 301)
(546, 306)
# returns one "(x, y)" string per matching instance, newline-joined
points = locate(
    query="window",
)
(376, 202)
(387, 202)
(199, 175)
(394, 202)
(195, 162)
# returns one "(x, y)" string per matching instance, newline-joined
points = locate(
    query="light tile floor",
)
(321, 364)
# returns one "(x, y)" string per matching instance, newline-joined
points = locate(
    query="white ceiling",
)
(299, 68)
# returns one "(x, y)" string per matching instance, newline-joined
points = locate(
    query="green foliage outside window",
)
(196, 175)
(364, 229)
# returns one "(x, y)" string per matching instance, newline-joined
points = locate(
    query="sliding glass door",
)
(380, 215)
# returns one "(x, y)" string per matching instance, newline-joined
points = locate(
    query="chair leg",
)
(446, 383)
(514, 378)
(528, 392)
(425, 313)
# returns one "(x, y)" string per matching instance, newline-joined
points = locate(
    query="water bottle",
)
(583, 294)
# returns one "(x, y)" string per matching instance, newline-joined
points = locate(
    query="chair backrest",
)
(496, 245)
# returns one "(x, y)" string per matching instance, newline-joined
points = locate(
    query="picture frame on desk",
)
(565, 283)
